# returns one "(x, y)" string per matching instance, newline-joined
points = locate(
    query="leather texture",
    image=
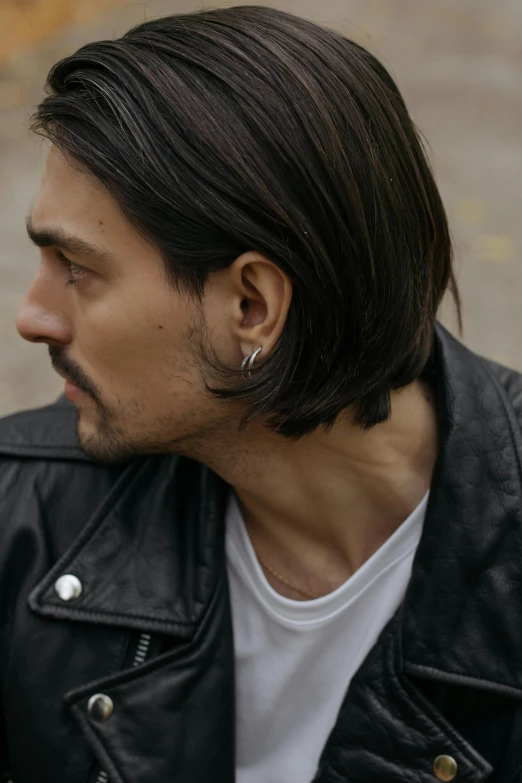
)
(146, 541)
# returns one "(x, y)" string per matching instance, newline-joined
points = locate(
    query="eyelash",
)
(69, 265)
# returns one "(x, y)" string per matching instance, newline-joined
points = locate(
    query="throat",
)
(316, 510)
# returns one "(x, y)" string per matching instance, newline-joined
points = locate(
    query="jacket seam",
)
(492, 685)
(82, 613)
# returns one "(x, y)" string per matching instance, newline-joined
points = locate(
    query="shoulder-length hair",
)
(247, 128)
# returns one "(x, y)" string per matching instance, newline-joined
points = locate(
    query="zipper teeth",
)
(142, 649)
(139, 656)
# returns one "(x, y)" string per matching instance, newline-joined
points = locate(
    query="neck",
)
(318, 508)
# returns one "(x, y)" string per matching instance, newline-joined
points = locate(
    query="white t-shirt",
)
(295, 659)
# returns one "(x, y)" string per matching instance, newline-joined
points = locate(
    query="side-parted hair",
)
(247, 128)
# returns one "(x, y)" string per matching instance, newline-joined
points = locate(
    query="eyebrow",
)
(49, 237)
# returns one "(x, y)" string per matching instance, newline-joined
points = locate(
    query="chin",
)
(110, 444)
(110, 454)
(103, 443)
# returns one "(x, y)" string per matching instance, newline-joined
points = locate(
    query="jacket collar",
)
(460, 617)
(152, 553)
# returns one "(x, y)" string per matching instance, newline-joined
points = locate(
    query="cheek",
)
(131, 343)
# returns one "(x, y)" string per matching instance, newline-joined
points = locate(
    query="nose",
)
(40, 319)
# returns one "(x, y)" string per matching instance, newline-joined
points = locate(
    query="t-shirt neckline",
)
(241, 555)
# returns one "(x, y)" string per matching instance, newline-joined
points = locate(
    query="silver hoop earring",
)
(247, 365)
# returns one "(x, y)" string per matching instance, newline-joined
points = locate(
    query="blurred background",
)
(459, 66)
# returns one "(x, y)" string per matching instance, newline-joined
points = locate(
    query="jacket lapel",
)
(150, 556)
(174, 717)
(387, 732)
(151, 559)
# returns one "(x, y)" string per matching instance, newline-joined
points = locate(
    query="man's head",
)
(246, 179)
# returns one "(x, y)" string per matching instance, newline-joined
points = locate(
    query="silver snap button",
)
(68, 587)
(100, 707)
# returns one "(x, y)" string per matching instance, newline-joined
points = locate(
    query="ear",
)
(261, 296)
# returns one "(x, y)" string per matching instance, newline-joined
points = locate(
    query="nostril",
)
(22, 324)
(37, 325)
(27, 327)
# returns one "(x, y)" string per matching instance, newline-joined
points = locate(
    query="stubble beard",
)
(107, 441)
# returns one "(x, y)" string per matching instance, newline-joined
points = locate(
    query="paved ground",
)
(459, 64)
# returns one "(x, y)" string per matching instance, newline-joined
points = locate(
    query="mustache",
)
(72, 371)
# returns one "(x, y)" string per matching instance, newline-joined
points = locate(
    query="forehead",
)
(67, 194)
(76, 203)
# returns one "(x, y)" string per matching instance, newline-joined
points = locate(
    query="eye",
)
(76, 271)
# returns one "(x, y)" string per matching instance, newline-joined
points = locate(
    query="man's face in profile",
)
(128, 340)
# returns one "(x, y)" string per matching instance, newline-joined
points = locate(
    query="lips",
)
(71, 391)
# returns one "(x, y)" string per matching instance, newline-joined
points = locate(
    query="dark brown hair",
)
(248, 128)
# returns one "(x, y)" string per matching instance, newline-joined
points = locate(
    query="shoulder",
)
(48, 432)
(47, 484)
(499, 389)
(510, 382)
(467, 373)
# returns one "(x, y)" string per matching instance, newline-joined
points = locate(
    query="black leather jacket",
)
(152, 627)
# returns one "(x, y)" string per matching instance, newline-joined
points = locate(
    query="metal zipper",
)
(142, 649)
(139, 657)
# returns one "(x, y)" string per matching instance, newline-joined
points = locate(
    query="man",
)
(272, 533)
